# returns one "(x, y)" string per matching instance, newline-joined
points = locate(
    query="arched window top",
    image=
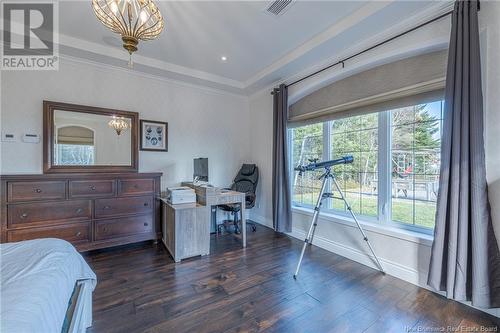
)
(75, 135)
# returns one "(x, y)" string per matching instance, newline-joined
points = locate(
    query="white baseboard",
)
(390, 267)
(402, 272)
(408, 274)
(261, 220)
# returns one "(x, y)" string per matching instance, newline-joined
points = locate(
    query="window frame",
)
(384, 191)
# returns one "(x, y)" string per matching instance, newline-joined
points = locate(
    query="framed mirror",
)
(80, 138)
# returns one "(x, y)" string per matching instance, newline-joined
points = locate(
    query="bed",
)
(46, 286)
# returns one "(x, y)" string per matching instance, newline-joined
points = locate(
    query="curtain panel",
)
(282, 211)
(465, 260)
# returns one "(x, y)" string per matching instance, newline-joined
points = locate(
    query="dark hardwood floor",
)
(140, 288)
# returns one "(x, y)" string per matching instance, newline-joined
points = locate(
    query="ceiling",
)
(261, 48)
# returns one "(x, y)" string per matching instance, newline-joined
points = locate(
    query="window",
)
(415, 158)
(307, 146)
(400, 148)
(74, 146)
(356, 136)
(75, 154)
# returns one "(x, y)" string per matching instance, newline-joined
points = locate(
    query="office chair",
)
(245, 181)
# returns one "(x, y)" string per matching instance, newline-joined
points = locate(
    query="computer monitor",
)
(201, 169)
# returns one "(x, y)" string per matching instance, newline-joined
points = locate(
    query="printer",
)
(180, 195)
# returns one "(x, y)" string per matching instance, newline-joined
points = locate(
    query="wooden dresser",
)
(91, 211)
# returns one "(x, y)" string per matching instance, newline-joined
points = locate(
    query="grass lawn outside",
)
(402, 209)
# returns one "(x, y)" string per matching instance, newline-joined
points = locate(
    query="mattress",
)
(37, 280)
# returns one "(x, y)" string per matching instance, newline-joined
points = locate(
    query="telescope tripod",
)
(312, 228)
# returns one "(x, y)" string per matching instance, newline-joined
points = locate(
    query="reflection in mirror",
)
(91, 139)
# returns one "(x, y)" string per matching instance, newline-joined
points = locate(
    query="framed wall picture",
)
(154, 135)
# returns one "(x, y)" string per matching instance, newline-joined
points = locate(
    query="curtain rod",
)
(341, 62)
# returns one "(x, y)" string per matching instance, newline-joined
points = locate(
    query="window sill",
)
(411, 236)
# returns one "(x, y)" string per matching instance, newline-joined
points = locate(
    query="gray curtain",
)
(465, 261)
(282, 213)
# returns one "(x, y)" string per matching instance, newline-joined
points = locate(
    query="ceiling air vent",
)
(278, 7)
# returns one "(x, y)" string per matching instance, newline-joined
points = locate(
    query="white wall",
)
(403, 255)
(261, 152)
(202, 122)
(490, 22)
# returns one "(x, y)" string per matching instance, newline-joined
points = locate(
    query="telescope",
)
(328, 175)
(326, 164)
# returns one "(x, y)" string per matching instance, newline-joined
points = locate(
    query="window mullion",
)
(326, 155)
(384, 167)
(291, 171)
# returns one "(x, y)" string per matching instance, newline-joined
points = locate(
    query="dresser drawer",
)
(123, 227)
(123, 206)
(91, 188)
(48, 211)
(74, 233)
(135, 186)
(29, 191)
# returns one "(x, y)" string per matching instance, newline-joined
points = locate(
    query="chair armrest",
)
(250, 198)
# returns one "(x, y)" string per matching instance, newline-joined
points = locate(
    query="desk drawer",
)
(29, 191)
(91, 188)
(135, 186)
(123, 206)
(75, 233)
(122, 227)
(228, 198)
(48, 211)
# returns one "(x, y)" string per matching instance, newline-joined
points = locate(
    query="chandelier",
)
(119, 124)
(134, 20)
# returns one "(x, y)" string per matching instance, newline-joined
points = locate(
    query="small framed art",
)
(154, 135)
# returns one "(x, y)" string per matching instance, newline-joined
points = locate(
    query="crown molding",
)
(109, 51)
(434, 11)
(161, 78)
(193, 74)
(193, 77)
(332, 32)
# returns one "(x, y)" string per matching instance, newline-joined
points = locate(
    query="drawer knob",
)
(79, 210)
(106, 207)
(24, 215)
(136, 186)
(146, 224)
(146, 204)
(92, 187)
(37, 190)
(78, 234)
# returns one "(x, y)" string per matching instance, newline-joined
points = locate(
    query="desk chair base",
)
(226, 224)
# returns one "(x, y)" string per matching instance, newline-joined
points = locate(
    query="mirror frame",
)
(48, 139)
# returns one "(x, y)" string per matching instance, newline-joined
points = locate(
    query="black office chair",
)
(245, 181)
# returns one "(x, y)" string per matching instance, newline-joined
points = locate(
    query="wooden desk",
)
(212, 196)
(185, 229)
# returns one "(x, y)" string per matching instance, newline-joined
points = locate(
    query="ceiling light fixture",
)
(134, 20)
(223, 58)
(119, 124)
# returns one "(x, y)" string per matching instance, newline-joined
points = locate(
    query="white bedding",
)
(37, 280)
